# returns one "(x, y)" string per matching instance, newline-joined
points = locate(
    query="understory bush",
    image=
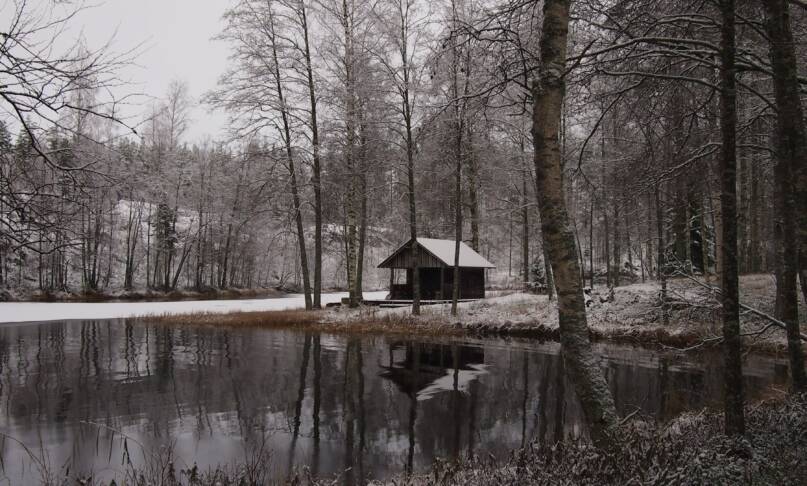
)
(691, 450)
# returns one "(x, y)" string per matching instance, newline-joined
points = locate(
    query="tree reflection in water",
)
(368, 407)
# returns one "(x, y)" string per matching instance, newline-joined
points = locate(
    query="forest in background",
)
(356, 125)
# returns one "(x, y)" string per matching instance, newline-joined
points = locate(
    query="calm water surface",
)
(89, 394)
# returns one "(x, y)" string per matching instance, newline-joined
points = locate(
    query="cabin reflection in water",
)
(423, 370)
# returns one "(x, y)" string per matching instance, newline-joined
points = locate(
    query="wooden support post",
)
(484, 278)
(442, 282)
(462, 291)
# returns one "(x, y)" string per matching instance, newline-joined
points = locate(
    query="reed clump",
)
(290, 318)
(691, 449)
(318, 321)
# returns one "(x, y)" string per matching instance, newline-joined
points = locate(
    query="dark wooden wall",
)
(404, 260)
(472, 284)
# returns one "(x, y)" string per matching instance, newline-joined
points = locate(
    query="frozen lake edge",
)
(26, 312)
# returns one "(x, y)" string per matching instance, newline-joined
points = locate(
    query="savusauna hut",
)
(436, 268)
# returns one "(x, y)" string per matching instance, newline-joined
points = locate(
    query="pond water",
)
(92, 395)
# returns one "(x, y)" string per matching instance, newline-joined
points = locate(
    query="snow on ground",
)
(57, 311)
(633, 311)
(496, 309)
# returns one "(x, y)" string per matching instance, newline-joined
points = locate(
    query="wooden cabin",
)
(436, 268)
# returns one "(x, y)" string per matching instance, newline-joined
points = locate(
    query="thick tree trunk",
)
(732, 343)
(591, 244)
(617, 246)
(628, 243)
(580, 360)
(410, 179)
(148, 249)
(790, 152)
(525, 226)
(359, 291)
(688, 261)
(224, 268)
(680, 239)
(351, 234)
(200, 252)
(186, 250)
(362, 176)
(661, 262)
(295, 195)
(609, 280)
(350, 145)
(406, 103)
(459, 127)
(473, 196)
(455, 294)
(649, 241)
(316, 179)
(132, 237)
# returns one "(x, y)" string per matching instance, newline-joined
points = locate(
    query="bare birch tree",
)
(579, 358)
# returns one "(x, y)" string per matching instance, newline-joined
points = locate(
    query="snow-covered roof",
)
(443, 250)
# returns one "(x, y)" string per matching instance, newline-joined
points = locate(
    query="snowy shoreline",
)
(27, 312)
(632, 314)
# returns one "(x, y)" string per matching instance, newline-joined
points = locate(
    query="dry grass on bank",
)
(316, 321)
(289, 318)
(372, 321)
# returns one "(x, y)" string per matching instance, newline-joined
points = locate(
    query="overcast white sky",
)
(177, 44)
